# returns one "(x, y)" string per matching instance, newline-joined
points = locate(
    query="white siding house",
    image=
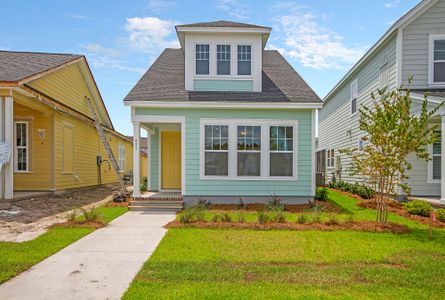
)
(413, 46)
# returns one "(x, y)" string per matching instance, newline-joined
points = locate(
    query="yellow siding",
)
(39, 175)
(69, 87)
(68, 148)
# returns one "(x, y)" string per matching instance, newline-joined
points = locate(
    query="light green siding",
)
(223, 85)
(154, 156)
(197, 187)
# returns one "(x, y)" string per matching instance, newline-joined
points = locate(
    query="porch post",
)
(2, 138)
(9, 138)
(442, 161)
(136, 164)
(148, 160)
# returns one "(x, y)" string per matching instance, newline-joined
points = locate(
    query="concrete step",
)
(155, 208)
(155, 202)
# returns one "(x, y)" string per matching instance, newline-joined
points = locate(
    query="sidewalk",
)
(98, 266)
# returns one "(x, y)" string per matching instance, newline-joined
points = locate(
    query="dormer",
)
(223, 56)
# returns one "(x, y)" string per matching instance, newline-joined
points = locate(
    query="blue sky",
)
(321, 38)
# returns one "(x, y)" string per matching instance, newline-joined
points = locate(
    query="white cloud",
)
(102, 57)
(151, 34)
(392, 4)
(161, 6)
(313, 44)
(233, 8)
(78, 16)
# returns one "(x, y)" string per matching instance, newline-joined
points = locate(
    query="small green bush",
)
(279, 218)
(317, 218)
(332, 220)
(418, 207)
(321, 194)
(89, 215)
(144, 184)
(241, 218)
(226, 217)
(440, 215)
(217, 217)
(355, 188)
(275, 203)
(302, 219)
(203, 204)
(187, 215)
(263, 218)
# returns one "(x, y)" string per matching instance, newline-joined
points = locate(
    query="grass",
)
(214, 263)
(18, 257)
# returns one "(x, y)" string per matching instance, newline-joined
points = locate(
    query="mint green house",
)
(225, 119)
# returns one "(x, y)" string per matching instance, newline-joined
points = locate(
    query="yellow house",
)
(48, 128)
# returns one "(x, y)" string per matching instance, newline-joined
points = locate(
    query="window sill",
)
(435, 181)
(247, 178)
(225, 77)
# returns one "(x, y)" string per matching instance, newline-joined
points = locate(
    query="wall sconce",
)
(42, 133)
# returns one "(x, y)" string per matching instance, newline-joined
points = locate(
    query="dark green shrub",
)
(144, 184)
(203, 204)
(275, 203)
(263, 218)
(279, 218)
(187, 215)
(354, 188)
(440, 215)
(302, 219)
(418, 207)
(321, 194)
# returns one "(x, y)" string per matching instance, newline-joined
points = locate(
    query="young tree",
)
(392, 133)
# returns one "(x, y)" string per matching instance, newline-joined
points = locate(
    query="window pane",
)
(216, 163)
(354, 106)
(223, 68)
(208, 143)
(273, 144)
(224, 131)
(436, 167)
(281, 164)
(281, 131)
(439, 55)
(437, 148)
(223, 59)
(208, 131)
(216, 131)
(289, 132)
(439, 45)
(241, 144)
(273, 132)
(244, 68)
(439, 72)
(241, 131)
(281, 145)
(257, 144)
(289, 144)
(249, 164)
(224, 144)
(216, 144)
(202, 67)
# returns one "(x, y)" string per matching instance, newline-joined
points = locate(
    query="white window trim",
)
(328, 158)
(430, 163)
(265, 148)
(16, 147)
(120, 150)
(233, 61)
(354, 82)
(432, 38)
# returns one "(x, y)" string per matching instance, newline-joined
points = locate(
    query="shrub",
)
(302, 219)
(241, 204)
(275, 203)
(279, 218)
(332, 220)
(90, 215)
(217, 217)
(350, 218)
(354, 188)
(187, 215)
(440, 215)
(226, 217)
(321, 194)
(263, 218)
(418, 207)
(317, 218)
(144, 184)
(241, 218)
(203, 204)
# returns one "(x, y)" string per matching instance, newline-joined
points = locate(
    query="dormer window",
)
(244, 60)
(202, 59)
(223, 59)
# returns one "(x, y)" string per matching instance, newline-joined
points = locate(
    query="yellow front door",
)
(171, 160)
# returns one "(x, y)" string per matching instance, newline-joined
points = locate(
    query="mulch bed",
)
(394, 207)
(294, 208)
(356, 226)
(79, 224)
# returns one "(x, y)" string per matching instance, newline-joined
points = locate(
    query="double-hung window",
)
(216, 150)
(249, 150)
(202, 59)
(437, 61)
(436, 153)
(331, 158)
(121, 157)
(281, 150)
(354, 96)
(244, 59)
(21, 149)
(223, 59)
(384, 70)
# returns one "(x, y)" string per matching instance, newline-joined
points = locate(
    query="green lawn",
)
(18, 257)
(210, 263)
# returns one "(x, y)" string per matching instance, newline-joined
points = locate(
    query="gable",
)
(69, 86)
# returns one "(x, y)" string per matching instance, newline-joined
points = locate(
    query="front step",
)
(156, 205)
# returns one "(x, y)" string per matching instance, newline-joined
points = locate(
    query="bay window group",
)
(243, 149)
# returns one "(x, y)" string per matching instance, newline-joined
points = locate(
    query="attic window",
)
(244, 59)
(223, 59)
(202, 59)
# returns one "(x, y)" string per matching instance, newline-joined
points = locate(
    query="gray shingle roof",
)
(15, 66)
(222, 23)
(164, 81)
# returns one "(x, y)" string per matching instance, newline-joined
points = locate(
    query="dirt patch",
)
(78, 224)
(356, 226)
(294, 208)
(37, 214)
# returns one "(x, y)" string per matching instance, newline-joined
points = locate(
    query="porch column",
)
(136, 155)
(9, 139)
(442, 162)
(149, 132)
(2, 138)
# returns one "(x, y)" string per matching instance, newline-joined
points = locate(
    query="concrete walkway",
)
(98, 266)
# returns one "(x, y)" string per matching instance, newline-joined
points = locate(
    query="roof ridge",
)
(41, 52)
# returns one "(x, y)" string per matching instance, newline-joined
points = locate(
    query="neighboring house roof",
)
(406, 18)
(222, 23)
(17, 66)
(164, 81)
(143, 141)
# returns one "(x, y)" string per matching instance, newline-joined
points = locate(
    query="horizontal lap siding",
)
(416, 44)
(335, 119)
(197, 187)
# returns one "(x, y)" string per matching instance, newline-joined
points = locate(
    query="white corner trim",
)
(399, 58)
(313, 153)
(209, 104)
